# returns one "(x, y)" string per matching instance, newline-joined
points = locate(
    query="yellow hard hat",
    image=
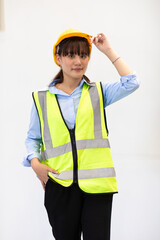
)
(70, 33)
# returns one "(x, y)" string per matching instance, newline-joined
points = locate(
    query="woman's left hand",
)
(101, 42)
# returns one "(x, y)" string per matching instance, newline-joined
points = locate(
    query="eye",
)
(70, 55)
(83, 56)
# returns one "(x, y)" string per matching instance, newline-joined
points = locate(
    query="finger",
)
(100, 38)
(52, 170)
(96, 39)
(43, 185)
(92, 39)
(101, 35)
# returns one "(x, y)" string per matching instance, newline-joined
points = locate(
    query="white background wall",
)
(26, 64)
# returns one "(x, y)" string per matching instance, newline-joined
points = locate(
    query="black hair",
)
(73, 45)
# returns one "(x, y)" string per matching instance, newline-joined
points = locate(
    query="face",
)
(73, 66)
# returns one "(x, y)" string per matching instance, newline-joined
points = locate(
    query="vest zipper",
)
(74, 148)
(74, 152)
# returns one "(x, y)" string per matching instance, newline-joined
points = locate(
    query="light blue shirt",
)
(69, 105)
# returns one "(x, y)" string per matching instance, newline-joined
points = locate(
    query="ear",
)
(58, 59)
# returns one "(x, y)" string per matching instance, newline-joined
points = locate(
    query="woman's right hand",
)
(41, 171)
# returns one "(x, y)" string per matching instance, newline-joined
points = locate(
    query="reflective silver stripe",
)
(56, 151)
(81, 144)
(86, 173)
(46, 132)
(65, 175)
(92, 143)
(94, 95)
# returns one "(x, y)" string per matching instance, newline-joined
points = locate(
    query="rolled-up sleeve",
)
(34, 139)
(117, 90)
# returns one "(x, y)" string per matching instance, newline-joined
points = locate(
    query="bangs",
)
(74, 45)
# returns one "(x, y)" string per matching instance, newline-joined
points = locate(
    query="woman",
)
(68, 123)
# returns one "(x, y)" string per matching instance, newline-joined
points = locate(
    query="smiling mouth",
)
(77, 69)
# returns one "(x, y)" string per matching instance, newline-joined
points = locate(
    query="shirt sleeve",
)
(117, 90)
(34, 138)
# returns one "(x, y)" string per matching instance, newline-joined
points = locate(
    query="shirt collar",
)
(52, 88)
(89, 84)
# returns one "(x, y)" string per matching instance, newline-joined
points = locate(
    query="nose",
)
(77, 60)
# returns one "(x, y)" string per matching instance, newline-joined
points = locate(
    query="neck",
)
(68, 84)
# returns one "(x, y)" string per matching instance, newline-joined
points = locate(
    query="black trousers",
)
(72, 212)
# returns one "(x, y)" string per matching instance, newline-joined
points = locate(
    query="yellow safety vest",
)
(81, 155)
